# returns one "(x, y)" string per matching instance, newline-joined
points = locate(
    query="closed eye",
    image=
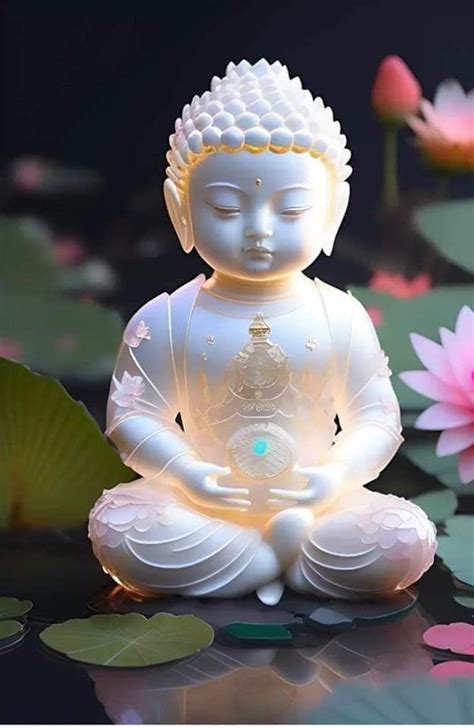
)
(295, 211)
(225, 210)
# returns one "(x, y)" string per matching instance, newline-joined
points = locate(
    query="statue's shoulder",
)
(334, 299)
(164, 311)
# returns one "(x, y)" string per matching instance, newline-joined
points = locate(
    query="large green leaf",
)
(25, 260)
(68, 339)
(54, 461)
(456, 548)
(423, 454)
(423, 315)
(129, 640)
(450, 227)
(9, 628)
(423, 701)
(438, 504)
(11, 608)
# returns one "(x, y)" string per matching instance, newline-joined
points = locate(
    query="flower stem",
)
(390, 168)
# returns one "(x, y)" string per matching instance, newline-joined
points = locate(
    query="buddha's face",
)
(259, 216)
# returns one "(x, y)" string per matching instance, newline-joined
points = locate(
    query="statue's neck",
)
(249, 290)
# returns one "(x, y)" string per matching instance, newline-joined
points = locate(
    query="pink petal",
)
(449, 97)
(444, 671)
(455, 440)
(430, 386)
(460, 353)
(457, 637)
(442, 416)
(466, 466)
(433, 356)
(465, 323)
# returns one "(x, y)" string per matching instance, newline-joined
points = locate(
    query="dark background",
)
(99, 84)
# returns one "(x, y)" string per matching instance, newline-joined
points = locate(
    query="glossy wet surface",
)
(280, 682)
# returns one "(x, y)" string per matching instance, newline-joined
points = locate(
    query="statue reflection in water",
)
(279, 685)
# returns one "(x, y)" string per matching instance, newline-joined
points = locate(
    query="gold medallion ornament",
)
(259, 390)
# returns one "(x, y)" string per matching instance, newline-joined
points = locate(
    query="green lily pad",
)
(10, 607)
(449, 227)
(26, 262)
(457, 547)
(54, 460)
(423, 315)
(445, 469)
(438, 504)
(423, 701)
(129, 640)
(64, 338)
(465, 601)
(9, 628)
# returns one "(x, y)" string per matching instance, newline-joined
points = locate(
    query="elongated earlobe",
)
(178, 215)
(340, 207)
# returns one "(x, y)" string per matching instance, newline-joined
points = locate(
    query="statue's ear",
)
(178, 215)
(340, 207)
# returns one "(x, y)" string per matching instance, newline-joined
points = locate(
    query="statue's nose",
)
(258, 233)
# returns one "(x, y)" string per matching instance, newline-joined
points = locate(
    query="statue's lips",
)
(258, 251)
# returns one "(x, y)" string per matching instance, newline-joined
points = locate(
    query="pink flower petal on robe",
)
(442, 416)
(445, 671)
(466, 466)
(432, 356)
(430, 386)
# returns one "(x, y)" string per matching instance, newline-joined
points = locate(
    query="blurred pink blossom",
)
(446, 134)
(28, 174)
(10, 349)
(395, 284)
(448, 379)
(376, 315)
(68, 250)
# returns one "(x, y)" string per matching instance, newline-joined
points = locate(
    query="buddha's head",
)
(257, 174)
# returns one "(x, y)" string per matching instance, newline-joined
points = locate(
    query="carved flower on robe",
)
(128, 390)
(134, 338)
(449, 380)
(397, 529)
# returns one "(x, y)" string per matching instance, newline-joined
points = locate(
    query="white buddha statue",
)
(259, 489)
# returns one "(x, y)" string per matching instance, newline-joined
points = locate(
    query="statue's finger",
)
(223, 490)
(236, 502)
(282, 493)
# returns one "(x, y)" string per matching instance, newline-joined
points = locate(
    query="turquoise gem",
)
(259, 446)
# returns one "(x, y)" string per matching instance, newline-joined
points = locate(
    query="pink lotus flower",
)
(68, 250)
(395, 284)
(28, 174)
(9, 349)
(396, 92)
(446, 134)
(449, 380)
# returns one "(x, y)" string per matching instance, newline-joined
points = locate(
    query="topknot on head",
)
(256, 108)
